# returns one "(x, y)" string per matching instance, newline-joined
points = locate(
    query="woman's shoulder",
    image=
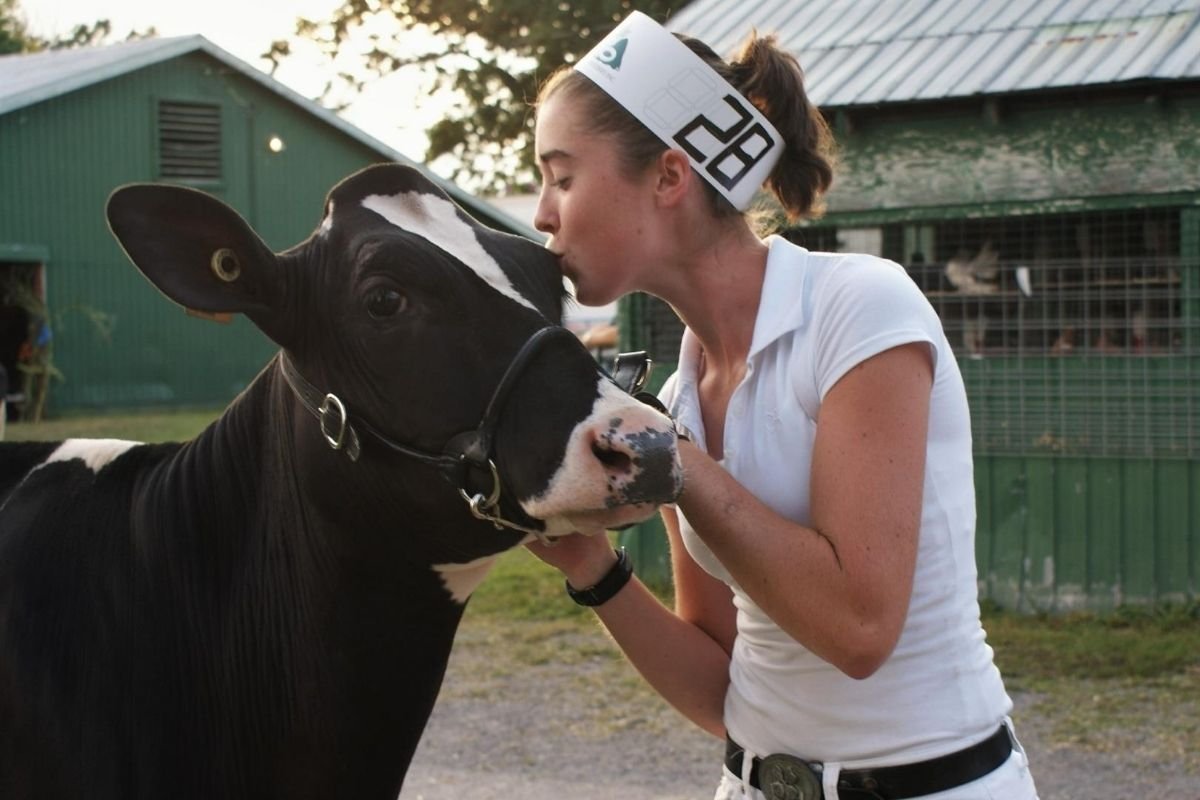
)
(835, 268)
(856, 277)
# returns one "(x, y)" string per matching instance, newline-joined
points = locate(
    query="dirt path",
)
(555, 715)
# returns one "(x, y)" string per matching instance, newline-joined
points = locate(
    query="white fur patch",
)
(436, 220)
(95, 453)
(462, 579)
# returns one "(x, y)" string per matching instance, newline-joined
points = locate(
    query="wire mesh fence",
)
(1076, 333)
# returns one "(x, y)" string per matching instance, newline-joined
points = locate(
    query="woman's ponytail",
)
(771, 79)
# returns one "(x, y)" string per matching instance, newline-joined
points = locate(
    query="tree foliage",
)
(16, 38)
(492, 53)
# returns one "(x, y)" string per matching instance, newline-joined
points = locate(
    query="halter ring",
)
(480, 506)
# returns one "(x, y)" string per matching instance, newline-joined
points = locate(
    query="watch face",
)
(785, 777)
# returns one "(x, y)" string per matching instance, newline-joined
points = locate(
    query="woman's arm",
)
(683, 655)
(841, 587)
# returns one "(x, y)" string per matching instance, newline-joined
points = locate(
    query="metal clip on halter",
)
(481, 507)
(488, 508)
(631, 370)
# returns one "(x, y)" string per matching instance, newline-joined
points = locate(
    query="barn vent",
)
(189, 140)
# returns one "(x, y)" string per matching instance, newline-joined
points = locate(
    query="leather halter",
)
(466, 454)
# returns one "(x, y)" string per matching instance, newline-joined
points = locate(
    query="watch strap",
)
(604, 589)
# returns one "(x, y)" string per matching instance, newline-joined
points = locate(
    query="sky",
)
(397, 110)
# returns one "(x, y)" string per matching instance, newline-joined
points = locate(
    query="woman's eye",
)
(384, 302)
(561, 183)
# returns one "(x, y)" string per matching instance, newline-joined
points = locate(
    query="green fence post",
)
(1189, 260)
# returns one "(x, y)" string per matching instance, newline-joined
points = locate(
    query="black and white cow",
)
(255, 614)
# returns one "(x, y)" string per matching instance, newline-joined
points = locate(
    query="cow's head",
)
(410, 311)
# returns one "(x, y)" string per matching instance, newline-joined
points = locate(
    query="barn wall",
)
(61, 158)
(1058, 534)
(1029, 149)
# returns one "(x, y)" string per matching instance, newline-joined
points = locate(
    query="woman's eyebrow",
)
(553, 155)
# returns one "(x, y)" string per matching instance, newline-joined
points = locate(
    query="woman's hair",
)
(767, 76)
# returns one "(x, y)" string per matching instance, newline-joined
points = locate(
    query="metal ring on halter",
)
(481, 511)
(479, 506)
(331, 401)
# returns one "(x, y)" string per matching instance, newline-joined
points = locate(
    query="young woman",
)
(826, 620)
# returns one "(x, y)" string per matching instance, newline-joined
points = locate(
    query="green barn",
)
(77, 319)
(1036, 168)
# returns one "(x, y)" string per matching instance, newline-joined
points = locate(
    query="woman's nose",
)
(544, 218)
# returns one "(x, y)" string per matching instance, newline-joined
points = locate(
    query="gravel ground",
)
(555, 714)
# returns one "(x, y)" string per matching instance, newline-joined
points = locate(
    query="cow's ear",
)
(198, 251)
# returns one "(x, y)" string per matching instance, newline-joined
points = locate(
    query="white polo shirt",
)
(819, 315)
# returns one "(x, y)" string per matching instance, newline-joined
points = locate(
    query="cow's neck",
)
(364, 628)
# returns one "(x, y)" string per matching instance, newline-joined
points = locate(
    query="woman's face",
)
(598, 218)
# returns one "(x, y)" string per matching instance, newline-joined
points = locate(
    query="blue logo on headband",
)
(612, 54)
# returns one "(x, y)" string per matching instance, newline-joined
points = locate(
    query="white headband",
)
(683, 101)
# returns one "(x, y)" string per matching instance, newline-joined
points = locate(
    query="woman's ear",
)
(674, 177)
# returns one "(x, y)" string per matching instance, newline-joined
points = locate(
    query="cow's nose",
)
(616, 458)
(638, 456)
(620, 463)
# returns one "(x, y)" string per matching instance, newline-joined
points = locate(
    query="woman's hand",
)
(584, 560)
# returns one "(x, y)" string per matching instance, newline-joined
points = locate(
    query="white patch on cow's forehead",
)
(95, 453)
(436, 219)
(462, 579)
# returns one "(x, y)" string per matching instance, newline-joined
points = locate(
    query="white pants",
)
(1010, 781)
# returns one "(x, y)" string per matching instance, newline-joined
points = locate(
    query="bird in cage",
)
(974, 275)
(977, 274)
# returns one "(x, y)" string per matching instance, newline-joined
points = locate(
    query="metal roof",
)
(29, 78)
(858, 52)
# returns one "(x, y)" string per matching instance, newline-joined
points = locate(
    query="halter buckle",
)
(632, 370)
(332, 403)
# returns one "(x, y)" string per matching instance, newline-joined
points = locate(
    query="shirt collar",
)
(783, 306)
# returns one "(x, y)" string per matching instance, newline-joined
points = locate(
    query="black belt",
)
(881, 783)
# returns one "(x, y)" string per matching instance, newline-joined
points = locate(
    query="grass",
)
(1125, 682)
(1129, 643)
(139, 426)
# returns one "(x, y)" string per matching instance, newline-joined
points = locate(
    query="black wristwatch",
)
(604, 589)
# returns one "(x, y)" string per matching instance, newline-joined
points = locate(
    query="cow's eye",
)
(384, 302)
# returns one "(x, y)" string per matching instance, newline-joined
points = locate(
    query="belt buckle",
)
(786, 777)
